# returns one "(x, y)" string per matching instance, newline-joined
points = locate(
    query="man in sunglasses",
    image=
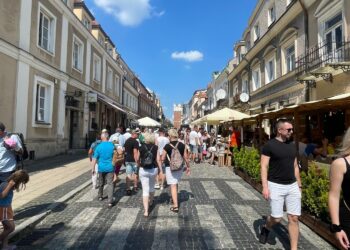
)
(281, 182)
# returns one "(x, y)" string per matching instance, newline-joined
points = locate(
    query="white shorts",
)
(290, 194)
(172, 177)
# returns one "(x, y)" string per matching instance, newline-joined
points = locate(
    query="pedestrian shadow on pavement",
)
(165, 197)
(41, 235)
(278, 232)
(30, 211)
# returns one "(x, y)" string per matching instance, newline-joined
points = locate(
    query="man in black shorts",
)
(281, 182)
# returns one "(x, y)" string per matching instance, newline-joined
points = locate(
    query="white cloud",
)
(129, 12)
(189, 56)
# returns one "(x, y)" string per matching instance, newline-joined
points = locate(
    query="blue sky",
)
(174, 45)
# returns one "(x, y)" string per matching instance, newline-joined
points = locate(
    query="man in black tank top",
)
(281, 182)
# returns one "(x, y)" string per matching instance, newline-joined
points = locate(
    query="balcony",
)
(322, 60)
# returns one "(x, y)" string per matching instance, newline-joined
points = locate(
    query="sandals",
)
(174, 209)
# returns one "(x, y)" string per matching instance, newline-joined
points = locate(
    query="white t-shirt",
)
(193, 136)
(161, 142)
(114, 137)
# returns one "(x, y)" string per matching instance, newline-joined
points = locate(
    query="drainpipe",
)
(306, 26)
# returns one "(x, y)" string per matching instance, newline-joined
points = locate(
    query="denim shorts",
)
(194, 149)
(131, 168)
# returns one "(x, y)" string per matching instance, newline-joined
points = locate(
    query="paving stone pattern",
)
(218, 210)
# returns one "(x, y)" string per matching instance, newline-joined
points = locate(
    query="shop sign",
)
(91, 97)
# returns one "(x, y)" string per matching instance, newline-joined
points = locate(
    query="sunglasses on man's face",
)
(289, 130)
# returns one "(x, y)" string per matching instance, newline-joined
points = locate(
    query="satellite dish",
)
(244, 97)
(220, 94)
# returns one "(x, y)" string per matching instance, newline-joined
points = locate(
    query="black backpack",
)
(147, 158)
(20, 157)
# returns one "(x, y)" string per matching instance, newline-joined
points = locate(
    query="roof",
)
(80, 3)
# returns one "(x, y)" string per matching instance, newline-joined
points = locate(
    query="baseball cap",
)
(127, 130)
(137, 130)
(104, 131)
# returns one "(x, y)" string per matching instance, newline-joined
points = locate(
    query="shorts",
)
(280, 193)
(172, 177)
(131, 168)
(194, 149)
(6, 213)
(200, 149)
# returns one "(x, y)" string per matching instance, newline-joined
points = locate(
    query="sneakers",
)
(264, 234)
(161, 187)
(156, 186)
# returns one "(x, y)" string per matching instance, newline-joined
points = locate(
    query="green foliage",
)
(315, 191)
(248, 160)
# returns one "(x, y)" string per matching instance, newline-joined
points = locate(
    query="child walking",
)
(16, 181)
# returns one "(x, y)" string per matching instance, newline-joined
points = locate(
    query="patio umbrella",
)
(148, 122)
(224, 114)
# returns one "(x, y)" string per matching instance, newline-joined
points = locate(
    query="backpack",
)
(23, 155)
(176, 160)
(147, 158)
(118, 158)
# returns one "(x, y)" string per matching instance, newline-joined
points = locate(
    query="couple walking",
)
(149, 168)
(145, 166)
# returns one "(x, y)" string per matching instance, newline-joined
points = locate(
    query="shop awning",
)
(148, 122)
(110, 103)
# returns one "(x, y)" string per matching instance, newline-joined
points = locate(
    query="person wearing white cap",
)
(124, 137)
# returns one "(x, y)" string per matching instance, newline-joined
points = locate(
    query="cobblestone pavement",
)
(218, 210)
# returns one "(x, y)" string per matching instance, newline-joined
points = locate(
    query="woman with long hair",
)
(339, 209)
(173, 176)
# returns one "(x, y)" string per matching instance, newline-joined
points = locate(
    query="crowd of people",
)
(149, 156)
(156, 158)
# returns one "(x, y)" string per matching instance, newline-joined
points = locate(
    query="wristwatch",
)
(334, 228)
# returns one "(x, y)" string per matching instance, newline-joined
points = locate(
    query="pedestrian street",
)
(218, 210)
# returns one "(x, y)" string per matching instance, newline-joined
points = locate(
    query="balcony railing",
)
(322, 55)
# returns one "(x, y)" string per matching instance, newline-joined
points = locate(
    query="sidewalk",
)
(52, 182)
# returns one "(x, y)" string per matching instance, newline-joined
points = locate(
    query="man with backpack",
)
(10, 145)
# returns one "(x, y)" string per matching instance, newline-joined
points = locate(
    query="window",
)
(78, 53)
(86, 23)
(245, 88)
(270, 70)
(42, 109)
(46, 29)
(290, 58)
(256, 79)
(101, 40)
(97, 68)
(117, 85)
(333, 33)
(271, 15)
(109, 78)
(256, 32)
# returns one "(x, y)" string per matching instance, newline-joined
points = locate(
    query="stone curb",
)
(34, 220)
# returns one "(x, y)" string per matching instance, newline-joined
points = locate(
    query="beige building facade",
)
(61, 76)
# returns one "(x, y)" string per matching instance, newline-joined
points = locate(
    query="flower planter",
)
(315, 224)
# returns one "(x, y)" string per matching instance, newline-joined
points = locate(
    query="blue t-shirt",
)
(104, 155)
(7, 201)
